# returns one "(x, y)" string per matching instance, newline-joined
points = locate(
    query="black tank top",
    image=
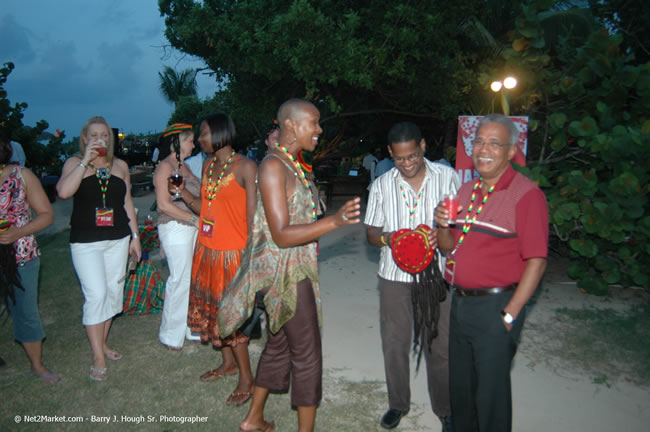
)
(89, 197)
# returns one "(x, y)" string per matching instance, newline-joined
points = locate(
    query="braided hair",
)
(176, 147)
(171, 138)
(428, 290)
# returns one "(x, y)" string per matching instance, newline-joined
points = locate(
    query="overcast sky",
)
(78, 58)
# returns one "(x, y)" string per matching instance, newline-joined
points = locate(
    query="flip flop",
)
(98, 374)
(246, 397)
(52, 378)
(267, 427)
(213, 375)
(113, 355)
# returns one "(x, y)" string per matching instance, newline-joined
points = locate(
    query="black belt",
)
(462, 292)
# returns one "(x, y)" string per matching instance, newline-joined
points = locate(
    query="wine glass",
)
(177, 180)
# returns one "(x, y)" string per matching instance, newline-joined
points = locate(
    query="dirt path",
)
(551, 391)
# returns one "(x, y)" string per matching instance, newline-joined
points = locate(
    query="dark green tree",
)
(589, 102)
(631, 19)
(366, 64)
(11, 125)
(175, 85)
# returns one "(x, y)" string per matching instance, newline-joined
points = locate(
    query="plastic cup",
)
(450, 202)
(101, 151)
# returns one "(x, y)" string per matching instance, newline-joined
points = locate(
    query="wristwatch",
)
(507, 318)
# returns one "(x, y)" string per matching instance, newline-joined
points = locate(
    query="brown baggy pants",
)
(294, 353)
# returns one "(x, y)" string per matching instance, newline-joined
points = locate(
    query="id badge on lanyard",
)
(104, 216)
(206, 228)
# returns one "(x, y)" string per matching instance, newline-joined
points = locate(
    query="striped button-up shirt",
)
(387, 208)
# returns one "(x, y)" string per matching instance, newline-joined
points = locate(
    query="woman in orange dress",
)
(227, 206)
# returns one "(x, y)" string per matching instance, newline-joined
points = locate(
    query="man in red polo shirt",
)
(496, 257)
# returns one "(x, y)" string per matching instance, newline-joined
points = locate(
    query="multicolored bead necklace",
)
(303, 177)
(212, 189)
(2, 168)
(406, 201)
(102, 174)
(467, 224)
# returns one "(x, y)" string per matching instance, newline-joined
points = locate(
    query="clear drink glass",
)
(177, 180)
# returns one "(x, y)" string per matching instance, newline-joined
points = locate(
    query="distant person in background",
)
(104, 231)
(177, 229)
(272, 136)
(370, 164)
(251, 152)
(18, 154)
(195, 162)
(155, 155)
(384, 165)
(227, 205)
(21, 194)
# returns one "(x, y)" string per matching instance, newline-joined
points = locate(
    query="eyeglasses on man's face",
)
(410, 158)
(492, 144)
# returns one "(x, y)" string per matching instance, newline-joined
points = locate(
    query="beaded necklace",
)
(303, 177)
(467, 224)
(102, 174)
(212, 189)
(2, 168)
(406, 201)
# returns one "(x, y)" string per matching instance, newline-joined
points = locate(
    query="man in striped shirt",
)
(405, 197)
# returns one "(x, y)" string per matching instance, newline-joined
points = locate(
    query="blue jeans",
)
(27, 321)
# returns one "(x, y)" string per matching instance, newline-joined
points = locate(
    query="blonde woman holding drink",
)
(104, 231)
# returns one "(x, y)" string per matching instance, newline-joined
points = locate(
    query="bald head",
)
(294, 109)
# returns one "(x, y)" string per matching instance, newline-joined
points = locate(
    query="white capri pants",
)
(99, 266)
(178, 242)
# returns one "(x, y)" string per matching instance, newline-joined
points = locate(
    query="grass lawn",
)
(150, 381)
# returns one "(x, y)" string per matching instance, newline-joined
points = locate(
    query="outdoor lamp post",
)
(507, 84)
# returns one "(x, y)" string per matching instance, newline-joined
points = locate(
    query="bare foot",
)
(217, 373)
(46, 375)
(240, 397)
(111, 353)
(264, 427)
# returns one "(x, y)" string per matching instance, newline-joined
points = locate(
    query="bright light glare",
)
(510, 83)
(495, 86)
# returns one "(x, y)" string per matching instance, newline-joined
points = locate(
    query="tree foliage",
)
(364, 63)
(11, 127)
(591, 101)
(175, 85)
(630, 19)
(584, 84)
